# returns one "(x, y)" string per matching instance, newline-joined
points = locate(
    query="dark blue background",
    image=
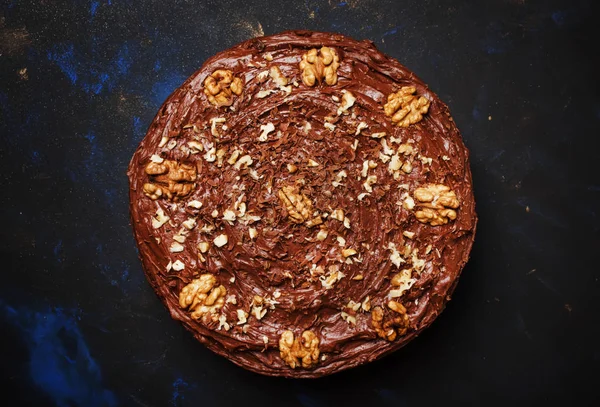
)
(80, 82)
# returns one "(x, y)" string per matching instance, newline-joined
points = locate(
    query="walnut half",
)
(169, 179)
(220, 86)
(405, 108)
(437, 204)
(319, 65)
(390, 328)
(302, 351)
(202, 298)
(298, 206)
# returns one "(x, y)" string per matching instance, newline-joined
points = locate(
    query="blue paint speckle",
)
(391, 397)
(497, 39)
(342, 4)
(308, 401)
(179, 388)
(36, 157)
(391, 31)
(476, 113)
(157, 66)
(57, 251)
(90, 73)
(60, 362)
(94, 8)
(559, 18)
(64, 56)
(163, 88)
(123, 60)
(4, 102)
(137, 128)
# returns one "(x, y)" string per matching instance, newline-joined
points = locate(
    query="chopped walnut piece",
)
(159, 219)
(348, 100)
(337, 214)
(176, 247)
(257, 307)
(298, 352)
(202, 297)
(265, 129)
(360, 127)
(156, 159)
(348, 252)
(213, 125)
(312, 163)
(401, 282)
(223, 323)
(203, 246)
(366, 304)
(408, 234)
(405, 108)
(242, 316)
(395, 256)
(319, 65)
(220, 86)
(298, 206)
(169, 179)
(178, 265)
(390, 328)
(332, 277)
(437, 204)
(244, 162)
(279, 78)
(252, 232)
(322, 235)
(220, 240)
(371, 179)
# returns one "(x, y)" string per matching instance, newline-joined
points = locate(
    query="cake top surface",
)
(303, 204)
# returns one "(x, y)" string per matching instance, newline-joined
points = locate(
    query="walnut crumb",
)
(348, 100)
(159, 219)
(220, 240)
(361, 126)
(401, 282)
(265, 129)
(348, 252)
(252, 232)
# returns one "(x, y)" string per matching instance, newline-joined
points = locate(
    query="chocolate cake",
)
(303, 204)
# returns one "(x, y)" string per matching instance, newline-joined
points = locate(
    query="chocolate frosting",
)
(284, 255)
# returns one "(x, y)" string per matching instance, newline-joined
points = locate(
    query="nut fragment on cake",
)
(390, 324)
(436, 204)
(298, 206)
(220, 86)
(169, 179)
(406, 108)
(319, 65)
(202, 297)
(299, 352)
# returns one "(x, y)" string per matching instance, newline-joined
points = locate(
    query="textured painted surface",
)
(80, 82)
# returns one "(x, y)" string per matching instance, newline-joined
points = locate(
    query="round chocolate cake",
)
(303, 204)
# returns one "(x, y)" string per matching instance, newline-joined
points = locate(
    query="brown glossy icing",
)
(281, 256)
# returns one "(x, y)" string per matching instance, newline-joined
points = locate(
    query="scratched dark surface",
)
(80, 82)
